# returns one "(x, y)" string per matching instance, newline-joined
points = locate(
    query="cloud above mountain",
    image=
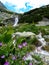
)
(21, 6)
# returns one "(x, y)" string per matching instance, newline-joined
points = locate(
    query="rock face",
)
(44, 22)
(24, 34)
(6, 16)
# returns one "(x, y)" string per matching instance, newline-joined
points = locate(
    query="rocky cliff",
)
(6, 15)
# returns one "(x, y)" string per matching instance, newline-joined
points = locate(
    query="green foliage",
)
(44, 30)
(28, 27)
(37, 57)
(35, 15)
(20, 39)
(8, 49)
(6, 38)
(5, 34)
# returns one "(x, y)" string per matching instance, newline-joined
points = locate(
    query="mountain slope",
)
(35, 15)
(28, 17)
(6, 15)
(4, 9)
(1, 5)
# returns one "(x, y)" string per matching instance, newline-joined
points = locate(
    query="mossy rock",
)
(46, 47)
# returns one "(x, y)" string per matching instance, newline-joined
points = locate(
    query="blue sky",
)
(21, 6)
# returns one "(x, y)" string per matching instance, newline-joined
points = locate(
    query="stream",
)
(44, 55)
(38, 50)
(43, 42)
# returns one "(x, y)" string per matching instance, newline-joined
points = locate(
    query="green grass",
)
(8, 48)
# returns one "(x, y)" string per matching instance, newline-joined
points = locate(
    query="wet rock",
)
(2, 24)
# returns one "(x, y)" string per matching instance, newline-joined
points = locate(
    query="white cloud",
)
(38, 3)
(21, 3)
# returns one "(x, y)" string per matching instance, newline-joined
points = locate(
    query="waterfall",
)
(16, 21)
(41, 39)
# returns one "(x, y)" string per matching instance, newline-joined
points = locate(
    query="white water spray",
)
(43, 42)
(16, 21)
(41, 39)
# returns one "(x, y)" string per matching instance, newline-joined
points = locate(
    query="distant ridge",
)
(4, 9)
(35, 15)
(1, 5)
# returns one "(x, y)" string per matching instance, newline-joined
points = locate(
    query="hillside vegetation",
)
(35, 15)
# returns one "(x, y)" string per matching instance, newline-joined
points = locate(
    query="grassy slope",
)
(35, 15)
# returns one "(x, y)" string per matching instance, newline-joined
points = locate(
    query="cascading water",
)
(43, 42)
(16, 21)
(41, 39)
(38, 50)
